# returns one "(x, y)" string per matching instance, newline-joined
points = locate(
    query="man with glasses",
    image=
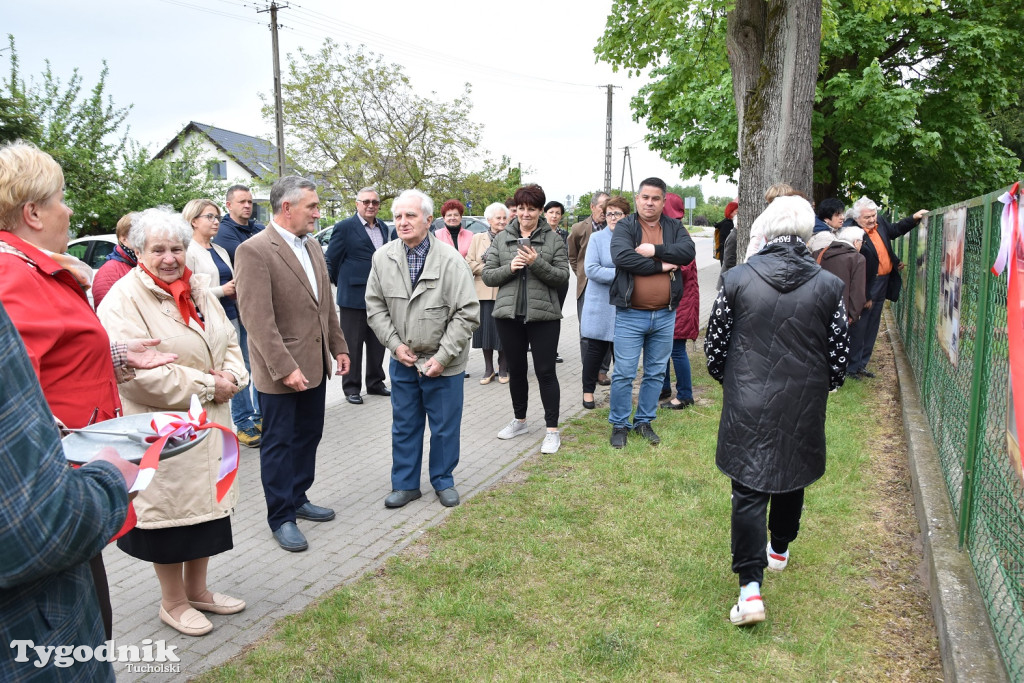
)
(579, 237)
(349, 257)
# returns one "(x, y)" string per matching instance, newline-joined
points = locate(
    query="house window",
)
(262, 213)
(218, 169)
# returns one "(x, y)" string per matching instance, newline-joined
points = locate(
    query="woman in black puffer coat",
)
(777, 341)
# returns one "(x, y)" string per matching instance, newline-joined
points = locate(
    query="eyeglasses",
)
(613, 214)
(210, 216)
(368, 202)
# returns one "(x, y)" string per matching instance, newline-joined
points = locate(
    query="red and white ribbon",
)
(168, 425)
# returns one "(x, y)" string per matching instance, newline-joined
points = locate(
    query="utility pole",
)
(626, 158)
(278, 106)
(608, 141)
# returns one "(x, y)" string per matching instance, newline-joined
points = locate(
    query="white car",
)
(93, 249)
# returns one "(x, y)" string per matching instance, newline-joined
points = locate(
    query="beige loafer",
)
(192, 623)
(222, 604)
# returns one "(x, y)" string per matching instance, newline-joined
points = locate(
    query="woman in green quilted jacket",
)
(528, 264)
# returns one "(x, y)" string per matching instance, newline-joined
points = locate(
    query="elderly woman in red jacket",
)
(44, 292)
(687, 325)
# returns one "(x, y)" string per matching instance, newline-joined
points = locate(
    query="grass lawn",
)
(596, 564)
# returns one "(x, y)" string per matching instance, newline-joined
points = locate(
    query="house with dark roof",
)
(235, 158)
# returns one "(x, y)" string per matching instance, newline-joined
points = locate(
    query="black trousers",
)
(749, 542)
(293, 424)
(357, 333)
(99, 580)
(542, 338)
(597, 351)
(606, 362)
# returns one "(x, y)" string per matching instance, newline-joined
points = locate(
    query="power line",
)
(207, 10)
(387, 44)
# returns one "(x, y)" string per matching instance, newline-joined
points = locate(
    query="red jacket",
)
(688, 310)
(110, 272)
(68, 347)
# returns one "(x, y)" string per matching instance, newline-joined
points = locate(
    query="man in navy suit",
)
(349, 257)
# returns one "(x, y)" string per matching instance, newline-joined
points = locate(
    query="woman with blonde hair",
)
(205, 257)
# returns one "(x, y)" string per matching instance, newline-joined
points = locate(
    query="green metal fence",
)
(966, 403)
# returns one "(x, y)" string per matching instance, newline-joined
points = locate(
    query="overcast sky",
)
(530, 63)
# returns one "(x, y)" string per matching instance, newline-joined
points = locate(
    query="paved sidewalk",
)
(353, 477)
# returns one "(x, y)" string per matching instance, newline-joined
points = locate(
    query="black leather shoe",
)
(665, 393)
(290, 538)
(397, 499)
(589, 405)
(354, 399)
(314, 513)
(619, 435)
(645, 430)
(865, 373)
(604, 380)
(383, 391)
(558, 359)
(854, 375)
(449, 497)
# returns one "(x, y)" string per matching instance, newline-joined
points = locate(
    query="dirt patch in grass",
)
(901, 606)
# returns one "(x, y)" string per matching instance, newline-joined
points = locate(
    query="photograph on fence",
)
(954, 225)
(921, 267)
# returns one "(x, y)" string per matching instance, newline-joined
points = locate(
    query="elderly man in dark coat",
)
(777, 341)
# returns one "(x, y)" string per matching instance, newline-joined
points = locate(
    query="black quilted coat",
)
(777, 340)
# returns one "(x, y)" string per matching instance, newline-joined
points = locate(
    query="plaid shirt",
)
(416, 257)
(52, 520)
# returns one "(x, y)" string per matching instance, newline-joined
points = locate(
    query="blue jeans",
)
(636, 331)
(414, 398)
(684, 385)
(244, 410)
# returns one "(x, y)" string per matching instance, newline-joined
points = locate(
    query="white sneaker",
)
(552, 440)
(513, 429)
(777, 561)
(746, 612)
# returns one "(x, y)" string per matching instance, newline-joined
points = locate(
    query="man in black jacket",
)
(884, 264)
(237, 226)
(647, 248)
(349, 257)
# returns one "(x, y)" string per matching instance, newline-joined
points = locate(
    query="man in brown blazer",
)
(579, 237)
(284, 299)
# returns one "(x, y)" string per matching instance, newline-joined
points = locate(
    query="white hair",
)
(861, 205)
(161, 221)
(850, 234)
(788, 215)
(492, 210)
(426, 203)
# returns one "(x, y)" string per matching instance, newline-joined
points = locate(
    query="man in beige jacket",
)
(422, 305)
(284, 295)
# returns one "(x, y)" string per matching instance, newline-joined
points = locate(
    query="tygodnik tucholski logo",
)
(150, 656)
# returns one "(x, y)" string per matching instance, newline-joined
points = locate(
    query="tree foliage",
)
(904, 102)
(356, 120)
(105, 174)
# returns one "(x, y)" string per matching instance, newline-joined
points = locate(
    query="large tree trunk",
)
(774, 49)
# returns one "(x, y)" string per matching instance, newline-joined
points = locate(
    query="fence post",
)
(983, 335)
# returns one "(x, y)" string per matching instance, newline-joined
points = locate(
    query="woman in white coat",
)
(180, 522)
